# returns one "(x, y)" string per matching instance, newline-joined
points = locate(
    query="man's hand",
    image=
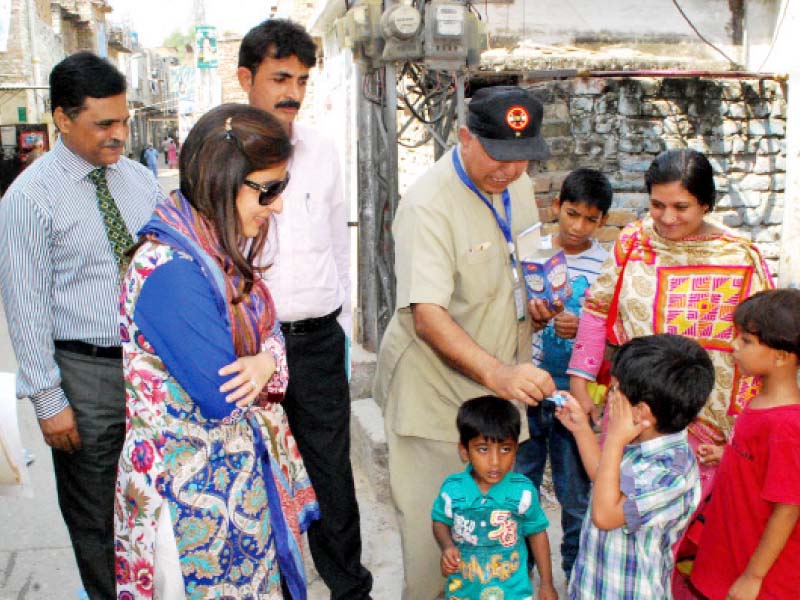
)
(61, 431)
(566, 325)
(541, 314)
(450, 561)
(522, 382)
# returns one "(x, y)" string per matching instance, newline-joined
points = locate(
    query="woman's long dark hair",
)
(214, 162)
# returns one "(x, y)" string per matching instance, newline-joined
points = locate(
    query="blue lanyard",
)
(503, 224)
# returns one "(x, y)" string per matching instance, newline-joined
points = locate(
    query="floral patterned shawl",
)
(253, 326)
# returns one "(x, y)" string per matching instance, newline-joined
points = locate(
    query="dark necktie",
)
(118, 235)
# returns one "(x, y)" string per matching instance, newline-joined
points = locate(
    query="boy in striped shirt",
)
(582, 207)
(646, 481)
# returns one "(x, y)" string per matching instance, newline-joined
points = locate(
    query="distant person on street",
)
(10, 167)
(310, 281)
(65, 224)
(151, 158)
(165, 144)
(462, 327)
(172, 155)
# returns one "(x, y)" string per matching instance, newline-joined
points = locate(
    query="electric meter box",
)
(445, 35)
(400, 26)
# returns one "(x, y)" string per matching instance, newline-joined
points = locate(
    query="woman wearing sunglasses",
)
(212, 494)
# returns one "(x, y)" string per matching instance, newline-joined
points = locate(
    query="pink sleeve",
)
(589, 348)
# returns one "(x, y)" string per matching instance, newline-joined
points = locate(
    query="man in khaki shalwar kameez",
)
(462, 327)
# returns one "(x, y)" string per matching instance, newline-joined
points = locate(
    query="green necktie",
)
(118, 235)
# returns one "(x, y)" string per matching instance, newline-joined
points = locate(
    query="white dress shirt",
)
(310, 255)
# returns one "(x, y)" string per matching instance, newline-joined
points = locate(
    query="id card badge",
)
(519, 293)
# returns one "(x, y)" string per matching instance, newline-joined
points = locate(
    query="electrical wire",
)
(774, 36)
(701, 36)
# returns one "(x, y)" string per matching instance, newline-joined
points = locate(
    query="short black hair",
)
(690, 167)
(489, 416)
(773, 316)
(672, 374)
(80, 76)
(276, 38)
(589, 186)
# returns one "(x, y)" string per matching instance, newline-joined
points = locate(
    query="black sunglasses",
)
(269, 191)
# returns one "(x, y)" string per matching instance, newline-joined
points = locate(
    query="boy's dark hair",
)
(589, 186)
(492, 417)
(276, 38)
(672, 374)
(690, 167)
(773, 316)
(80, 76)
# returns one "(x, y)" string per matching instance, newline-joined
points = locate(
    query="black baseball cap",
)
(507, 120)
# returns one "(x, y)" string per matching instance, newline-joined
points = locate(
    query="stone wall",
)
(619, 125)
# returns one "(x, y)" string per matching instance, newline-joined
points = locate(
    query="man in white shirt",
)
(309, 278)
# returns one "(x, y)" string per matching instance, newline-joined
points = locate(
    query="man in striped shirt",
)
(646, 481)
(64, 225)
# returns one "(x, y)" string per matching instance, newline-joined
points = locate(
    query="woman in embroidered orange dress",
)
(681, 274)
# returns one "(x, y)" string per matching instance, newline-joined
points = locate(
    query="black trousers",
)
(85, 480)
(317, 404)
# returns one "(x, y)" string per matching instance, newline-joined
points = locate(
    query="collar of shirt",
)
(659, 444)
(75, 166)
(473, 493)
(298, 134)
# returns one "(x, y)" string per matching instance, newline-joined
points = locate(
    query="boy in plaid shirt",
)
(646, 481)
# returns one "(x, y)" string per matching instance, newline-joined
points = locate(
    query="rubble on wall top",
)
(528, 55)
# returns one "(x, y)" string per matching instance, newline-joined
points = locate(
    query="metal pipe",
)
(31, 8)
(545, 75)
(368, 228)
(461, 107)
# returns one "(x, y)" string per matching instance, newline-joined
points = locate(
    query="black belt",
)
(305, 326)
(79, 347)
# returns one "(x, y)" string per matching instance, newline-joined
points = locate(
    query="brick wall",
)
(619, 125)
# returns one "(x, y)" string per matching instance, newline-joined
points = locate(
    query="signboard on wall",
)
(8, 135)
(206, 46)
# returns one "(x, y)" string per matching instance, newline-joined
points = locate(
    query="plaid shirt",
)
(661, 482)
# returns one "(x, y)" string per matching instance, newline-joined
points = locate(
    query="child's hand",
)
(709, 454)
(745, 588)
(547, 591)
(451, 561)
(541, 313)
(621, 428)
(572, 415)
(566, 325)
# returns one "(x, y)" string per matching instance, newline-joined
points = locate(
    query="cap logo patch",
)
(517, 118)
